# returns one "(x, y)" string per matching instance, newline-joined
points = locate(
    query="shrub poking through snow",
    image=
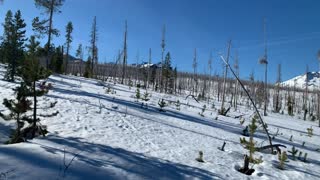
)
(162, 104)
(213, 106)
(252, 130)
(310, 131)
(290, 138)
(178, 105)
(282, 158)
(300, 154)
(200, 158)
(245, 131)
(245, 169)
(242, 120)
(203, 110)
(145, 96)
(138, 93)
(109, 90)
(250, 145)
(305, 157)
(293, 152)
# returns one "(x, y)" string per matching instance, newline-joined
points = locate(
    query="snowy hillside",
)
(100, 135)
(300, 81)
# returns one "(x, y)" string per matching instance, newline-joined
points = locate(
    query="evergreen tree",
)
(18, 108)
(7, 37)
(167, 72)
(45, 26)
(175, 75)
(57, 60)
(13, 46)
(31, 73)
(79, 55)
(87, 71)
(162, 104)
(69, 29)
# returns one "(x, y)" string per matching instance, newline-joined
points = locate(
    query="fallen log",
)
(277, 146)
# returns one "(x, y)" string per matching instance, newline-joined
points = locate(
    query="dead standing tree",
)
(210, 74)
(305, 96)
(235, 97)
(223, 111)
(264, 61)
(195, 81)
(124, 61)
(163, 45)
(256, 109)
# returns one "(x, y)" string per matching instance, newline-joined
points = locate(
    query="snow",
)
(110, 136)
(300, 81)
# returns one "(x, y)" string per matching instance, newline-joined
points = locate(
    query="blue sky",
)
(293, 30)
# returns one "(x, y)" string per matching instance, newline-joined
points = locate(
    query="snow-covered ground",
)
(313, 81)
(97, 135)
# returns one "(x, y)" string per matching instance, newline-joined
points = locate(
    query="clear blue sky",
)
(293, 30)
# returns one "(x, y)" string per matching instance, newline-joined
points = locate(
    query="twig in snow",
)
(274, 136)
(192, 97)
(49, 115)
(67, 164)
(4, 175)
(223, 145)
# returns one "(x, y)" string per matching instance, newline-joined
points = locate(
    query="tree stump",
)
(245, 169)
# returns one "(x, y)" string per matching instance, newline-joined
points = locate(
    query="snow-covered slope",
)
(313, 81)
(111, 136)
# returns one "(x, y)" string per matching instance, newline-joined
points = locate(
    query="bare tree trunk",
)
(224, 80)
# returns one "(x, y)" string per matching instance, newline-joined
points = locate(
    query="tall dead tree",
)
(305, 95)
(264, 61)
(163, 45)
(124, 61)
(256, 109)
(149, 67)
(210, 74)
(137, 69)
(318, 109)
(195, 80)
(225, 75)
(235, 96)
(277, 104)
(93, 48)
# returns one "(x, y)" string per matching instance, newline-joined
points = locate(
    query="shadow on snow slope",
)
(110, 162)
(230, 127)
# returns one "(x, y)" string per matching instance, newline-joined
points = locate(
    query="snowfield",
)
(313, 81)
(99, 135)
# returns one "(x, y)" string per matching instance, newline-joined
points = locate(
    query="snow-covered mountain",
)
(312, 78)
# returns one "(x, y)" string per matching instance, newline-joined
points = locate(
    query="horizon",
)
(291, 31)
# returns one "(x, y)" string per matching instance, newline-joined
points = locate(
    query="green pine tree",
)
(13, 44)
(69, 29)
(87, 70)
(57, 60)
(31, 73)
(45, 26)
(167, 73)
(18, 108)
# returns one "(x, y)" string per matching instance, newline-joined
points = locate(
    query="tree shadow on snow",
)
(229, 127)
(110, 161)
